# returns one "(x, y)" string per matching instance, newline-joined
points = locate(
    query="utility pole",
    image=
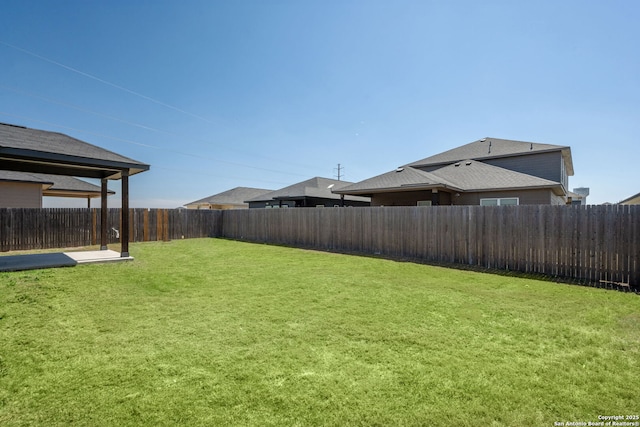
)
(339, 169)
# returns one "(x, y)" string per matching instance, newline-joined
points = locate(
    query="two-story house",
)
(487, 172)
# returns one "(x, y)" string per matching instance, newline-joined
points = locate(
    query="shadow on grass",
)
(600, 284)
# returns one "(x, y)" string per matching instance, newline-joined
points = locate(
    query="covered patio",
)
(30, 150)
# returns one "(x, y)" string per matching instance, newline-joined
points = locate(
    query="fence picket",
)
(589, 243)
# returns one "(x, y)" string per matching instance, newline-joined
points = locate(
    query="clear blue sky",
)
(219, 94)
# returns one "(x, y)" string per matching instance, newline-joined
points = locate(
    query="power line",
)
(148, 98)
(108, 83)
(128, 122)
(192, 172)
(77, 107)
(197, 156)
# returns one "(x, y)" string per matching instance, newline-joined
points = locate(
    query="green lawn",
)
(214, 332)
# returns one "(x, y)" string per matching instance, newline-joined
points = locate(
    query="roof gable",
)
(315, 187)
(235, 196)
(471, 175)
(468, 175)
(490, 148)
(633, 200)
(403, 178)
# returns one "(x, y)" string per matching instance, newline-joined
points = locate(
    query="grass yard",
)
(214, 332)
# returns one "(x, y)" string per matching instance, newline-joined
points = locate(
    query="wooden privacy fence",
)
(597, 244)
(25, 229)
(589, 243)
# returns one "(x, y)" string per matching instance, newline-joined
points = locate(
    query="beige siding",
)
(632, 201)
(20, 195)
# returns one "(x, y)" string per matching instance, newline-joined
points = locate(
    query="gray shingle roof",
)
(314, 187)
(24, 177)
(22, 142)
(235, 196)
(54, 184)
(470, 175)
(488, 148)
(401, 178)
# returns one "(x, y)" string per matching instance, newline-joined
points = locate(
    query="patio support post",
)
(103, 214)
(124, 233)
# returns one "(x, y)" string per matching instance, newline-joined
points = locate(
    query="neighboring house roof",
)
(471, 176)
(633, 200)
(235, 196)
(468, 175)
(490, 148)
(314, 187)
(403, 178)
(55, 185)
(24, 149)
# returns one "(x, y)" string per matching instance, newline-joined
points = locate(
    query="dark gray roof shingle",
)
(314, 187)
(53, 148)
(402, 177)
(488, 148)
(470, 175)
(235, 196)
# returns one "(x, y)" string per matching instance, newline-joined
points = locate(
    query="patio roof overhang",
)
(30, 150)
(23, 160)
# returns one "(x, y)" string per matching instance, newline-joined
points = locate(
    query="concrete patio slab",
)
(35, 261)
(84, 257)
(58, 259)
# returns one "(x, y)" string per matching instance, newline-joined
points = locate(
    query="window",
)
(505, 201)
(424, 202)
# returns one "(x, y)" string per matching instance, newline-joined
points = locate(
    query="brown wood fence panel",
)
(28, 229)
(589, 243)
(598, 244)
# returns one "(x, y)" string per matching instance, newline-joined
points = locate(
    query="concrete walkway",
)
(59, 259)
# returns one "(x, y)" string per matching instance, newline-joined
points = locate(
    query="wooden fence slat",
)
(588, 243)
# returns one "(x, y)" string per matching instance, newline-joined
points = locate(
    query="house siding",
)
(526, 197)
(632, 201)
(549, 166)
(542, 165)
(408, 198)
(20, 195)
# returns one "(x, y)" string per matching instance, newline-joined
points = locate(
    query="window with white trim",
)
(504, 201)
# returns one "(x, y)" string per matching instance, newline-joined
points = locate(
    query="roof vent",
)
(468, 163)
(483, 139)
(399, 169)
(531, 146)
(330, 186)
(457, 164)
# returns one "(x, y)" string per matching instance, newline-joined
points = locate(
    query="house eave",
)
(75, 193)
(402, 188)
(15, 159)
(558, 190)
